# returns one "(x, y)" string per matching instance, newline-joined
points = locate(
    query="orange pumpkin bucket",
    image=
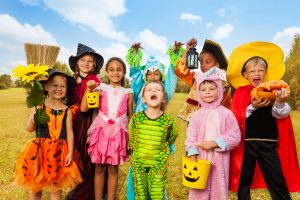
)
(195, 174)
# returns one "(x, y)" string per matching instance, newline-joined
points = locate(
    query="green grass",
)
(13, 136)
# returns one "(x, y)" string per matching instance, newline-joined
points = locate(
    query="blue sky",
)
(111, 26)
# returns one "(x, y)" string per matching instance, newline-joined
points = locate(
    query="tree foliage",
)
(292, 64)
(62, 67)
(5, 81)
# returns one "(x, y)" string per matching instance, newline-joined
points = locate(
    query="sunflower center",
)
(30, 73)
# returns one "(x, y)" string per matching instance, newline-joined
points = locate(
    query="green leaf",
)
(35, 96)
(41, 117)
(39, 85)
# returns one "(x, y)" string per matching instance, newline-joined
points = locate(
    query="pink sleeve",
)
(232, 134)
(191, 135)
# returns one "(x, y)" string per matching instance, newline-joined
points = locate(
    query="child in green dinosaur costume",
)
(151, 132)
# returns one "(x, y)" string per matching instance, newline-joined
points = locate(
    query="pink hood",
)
(211, 75)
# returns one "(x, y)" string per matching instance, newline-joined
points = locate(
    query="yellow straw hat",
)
(270, 52)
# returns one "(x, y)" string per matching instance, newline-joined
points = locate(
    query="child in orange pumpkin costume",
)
(46, 162)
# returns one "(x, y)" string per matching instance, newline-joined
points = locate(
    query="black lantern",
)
(192, 58)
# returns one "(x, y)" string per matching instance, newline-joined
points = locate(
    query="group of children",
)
(252, 128)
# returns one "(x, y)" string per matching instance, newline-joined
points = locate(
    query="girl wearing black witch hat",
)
(85, 65)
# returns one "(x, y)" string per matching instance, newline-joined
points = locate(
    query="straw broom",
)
(41, 54)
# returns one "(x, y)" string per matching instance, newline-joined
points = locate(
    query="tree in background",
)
(18, 83)
(62, 67)
(291, 76)
(5, 82)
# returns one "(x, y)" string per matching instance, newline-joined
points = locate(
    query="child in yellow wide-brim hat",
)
(265, 125)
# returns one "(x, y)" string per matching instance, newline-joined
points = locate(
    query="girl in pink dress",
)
(212, 132)
(108, 134)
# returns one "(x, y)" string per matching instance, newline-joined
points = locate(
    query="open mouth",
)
(191, 179)
(256, 80)
(92, 103)
(153, 97)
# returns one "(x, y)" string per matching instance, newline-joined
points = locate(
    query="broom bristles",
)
(41, 54)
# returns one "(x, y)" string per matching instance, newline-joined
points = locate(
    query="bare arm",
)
(70, 138)
(84, 105)
(30, 124)
(130, 105)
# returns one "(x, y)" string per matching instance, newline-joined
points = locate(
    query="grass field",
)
(13, 136)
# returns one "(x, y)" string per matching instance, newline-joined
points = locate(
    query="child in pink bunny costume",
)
(212, 132)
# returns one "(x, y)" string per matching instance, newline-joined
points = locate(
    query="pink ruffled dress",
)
(109, 130)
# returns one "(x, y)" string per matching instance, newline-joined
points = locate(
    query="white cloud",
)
(223, 31)
(221, 12)
(285, 38)
(13, 35)
(209, 25)
(190, 18)
(150, 41)
(31, 2)
(114, 50)
(95, 15)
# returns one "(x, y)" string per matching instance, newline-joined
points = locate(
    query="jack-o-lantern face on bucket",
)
(92, 99)
(195, 174)
(192, 175)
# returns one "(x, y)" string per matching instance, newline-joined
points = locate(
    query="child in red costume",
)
(265, 126)
(85, 65)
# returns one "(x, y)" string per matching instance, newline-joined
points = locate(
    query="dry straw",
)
(41, 54)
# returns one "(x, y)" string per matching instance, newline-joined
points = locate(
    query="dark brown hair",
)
(123, 65)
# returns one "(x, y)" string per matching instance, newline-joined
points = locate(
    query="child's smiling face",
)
(153, 76)
(57, 87)
(255, 74)
(86, 64)
(115, 72)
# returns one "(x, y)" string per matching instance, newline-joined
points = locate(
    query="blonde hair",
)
(164, 103)
(76, 70)
(254, 61)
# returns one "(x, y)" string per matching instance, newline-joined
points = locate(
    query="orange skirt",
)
(41, 165)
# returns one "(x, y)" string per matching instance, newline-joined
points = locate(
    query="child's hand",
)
(177, 46)
(191, 43)
(260, 102)
(193, 158)
(136, 46)
(207, 145)
(90, 85)
(68, 159)
(282, 95)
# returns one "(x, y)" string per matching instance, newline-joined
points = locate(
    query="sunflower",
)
(31, 73)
